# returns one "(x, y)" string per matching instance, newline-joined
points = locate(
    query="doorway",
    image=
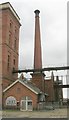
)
(26, 104)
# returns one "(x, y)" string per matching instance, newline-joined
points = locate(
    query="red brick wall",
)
(23, 92)
(49, 88)
(7, 48)
(38, 80)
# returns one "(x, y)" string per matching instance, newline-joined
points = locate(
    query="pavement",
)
(57, 113)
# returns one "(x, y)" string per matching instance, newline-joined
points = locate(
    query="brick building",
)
(19, 92)
(10, 43)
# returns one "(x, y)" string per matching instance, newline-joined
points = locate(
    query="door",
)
(26, 104)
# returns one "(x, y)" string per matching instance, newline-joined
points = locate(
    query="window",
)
(29, 102)
(11, 24)
(13, 69)
(11, 101)
(14, 62)
(15, 31)
(9, 38)
(8, 65)
(15, 44)
(26, 98)
(18, 90)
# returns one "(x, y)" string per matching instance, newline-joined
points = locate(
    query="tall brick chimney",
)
(37, 47)
(37, 77)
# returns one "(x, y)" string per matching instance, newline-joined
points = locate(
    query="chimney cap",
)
(37, 12)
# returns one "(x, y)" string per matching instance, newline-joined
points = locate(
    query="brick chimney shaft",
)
(37, 46)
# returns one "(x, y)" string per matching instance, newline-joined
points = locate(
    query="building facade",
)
(21, 95)
(9, 45)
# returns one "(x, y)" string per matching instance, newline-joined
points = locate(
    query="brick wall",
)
(49, 88)
(9, 25)
(38, 80)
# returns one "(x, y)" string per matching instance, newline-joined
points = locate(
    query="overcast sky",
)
(53, 21)
(53, 25)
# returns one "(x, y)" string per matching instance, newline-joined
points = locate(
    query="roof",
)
(27, 84)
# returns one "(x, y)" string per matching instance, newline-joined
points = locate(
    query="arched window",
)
(11, 101)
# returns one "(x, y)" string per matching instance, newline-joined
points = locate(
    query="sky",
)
(53, 26)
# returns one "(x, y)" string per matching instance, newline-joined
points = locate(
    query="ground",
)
(57, 113)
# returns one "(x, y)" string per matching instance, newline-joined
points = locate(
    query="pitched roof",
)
(27, 84)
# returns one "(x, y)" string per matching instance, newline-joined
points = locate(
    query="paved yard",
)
(57, 113)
